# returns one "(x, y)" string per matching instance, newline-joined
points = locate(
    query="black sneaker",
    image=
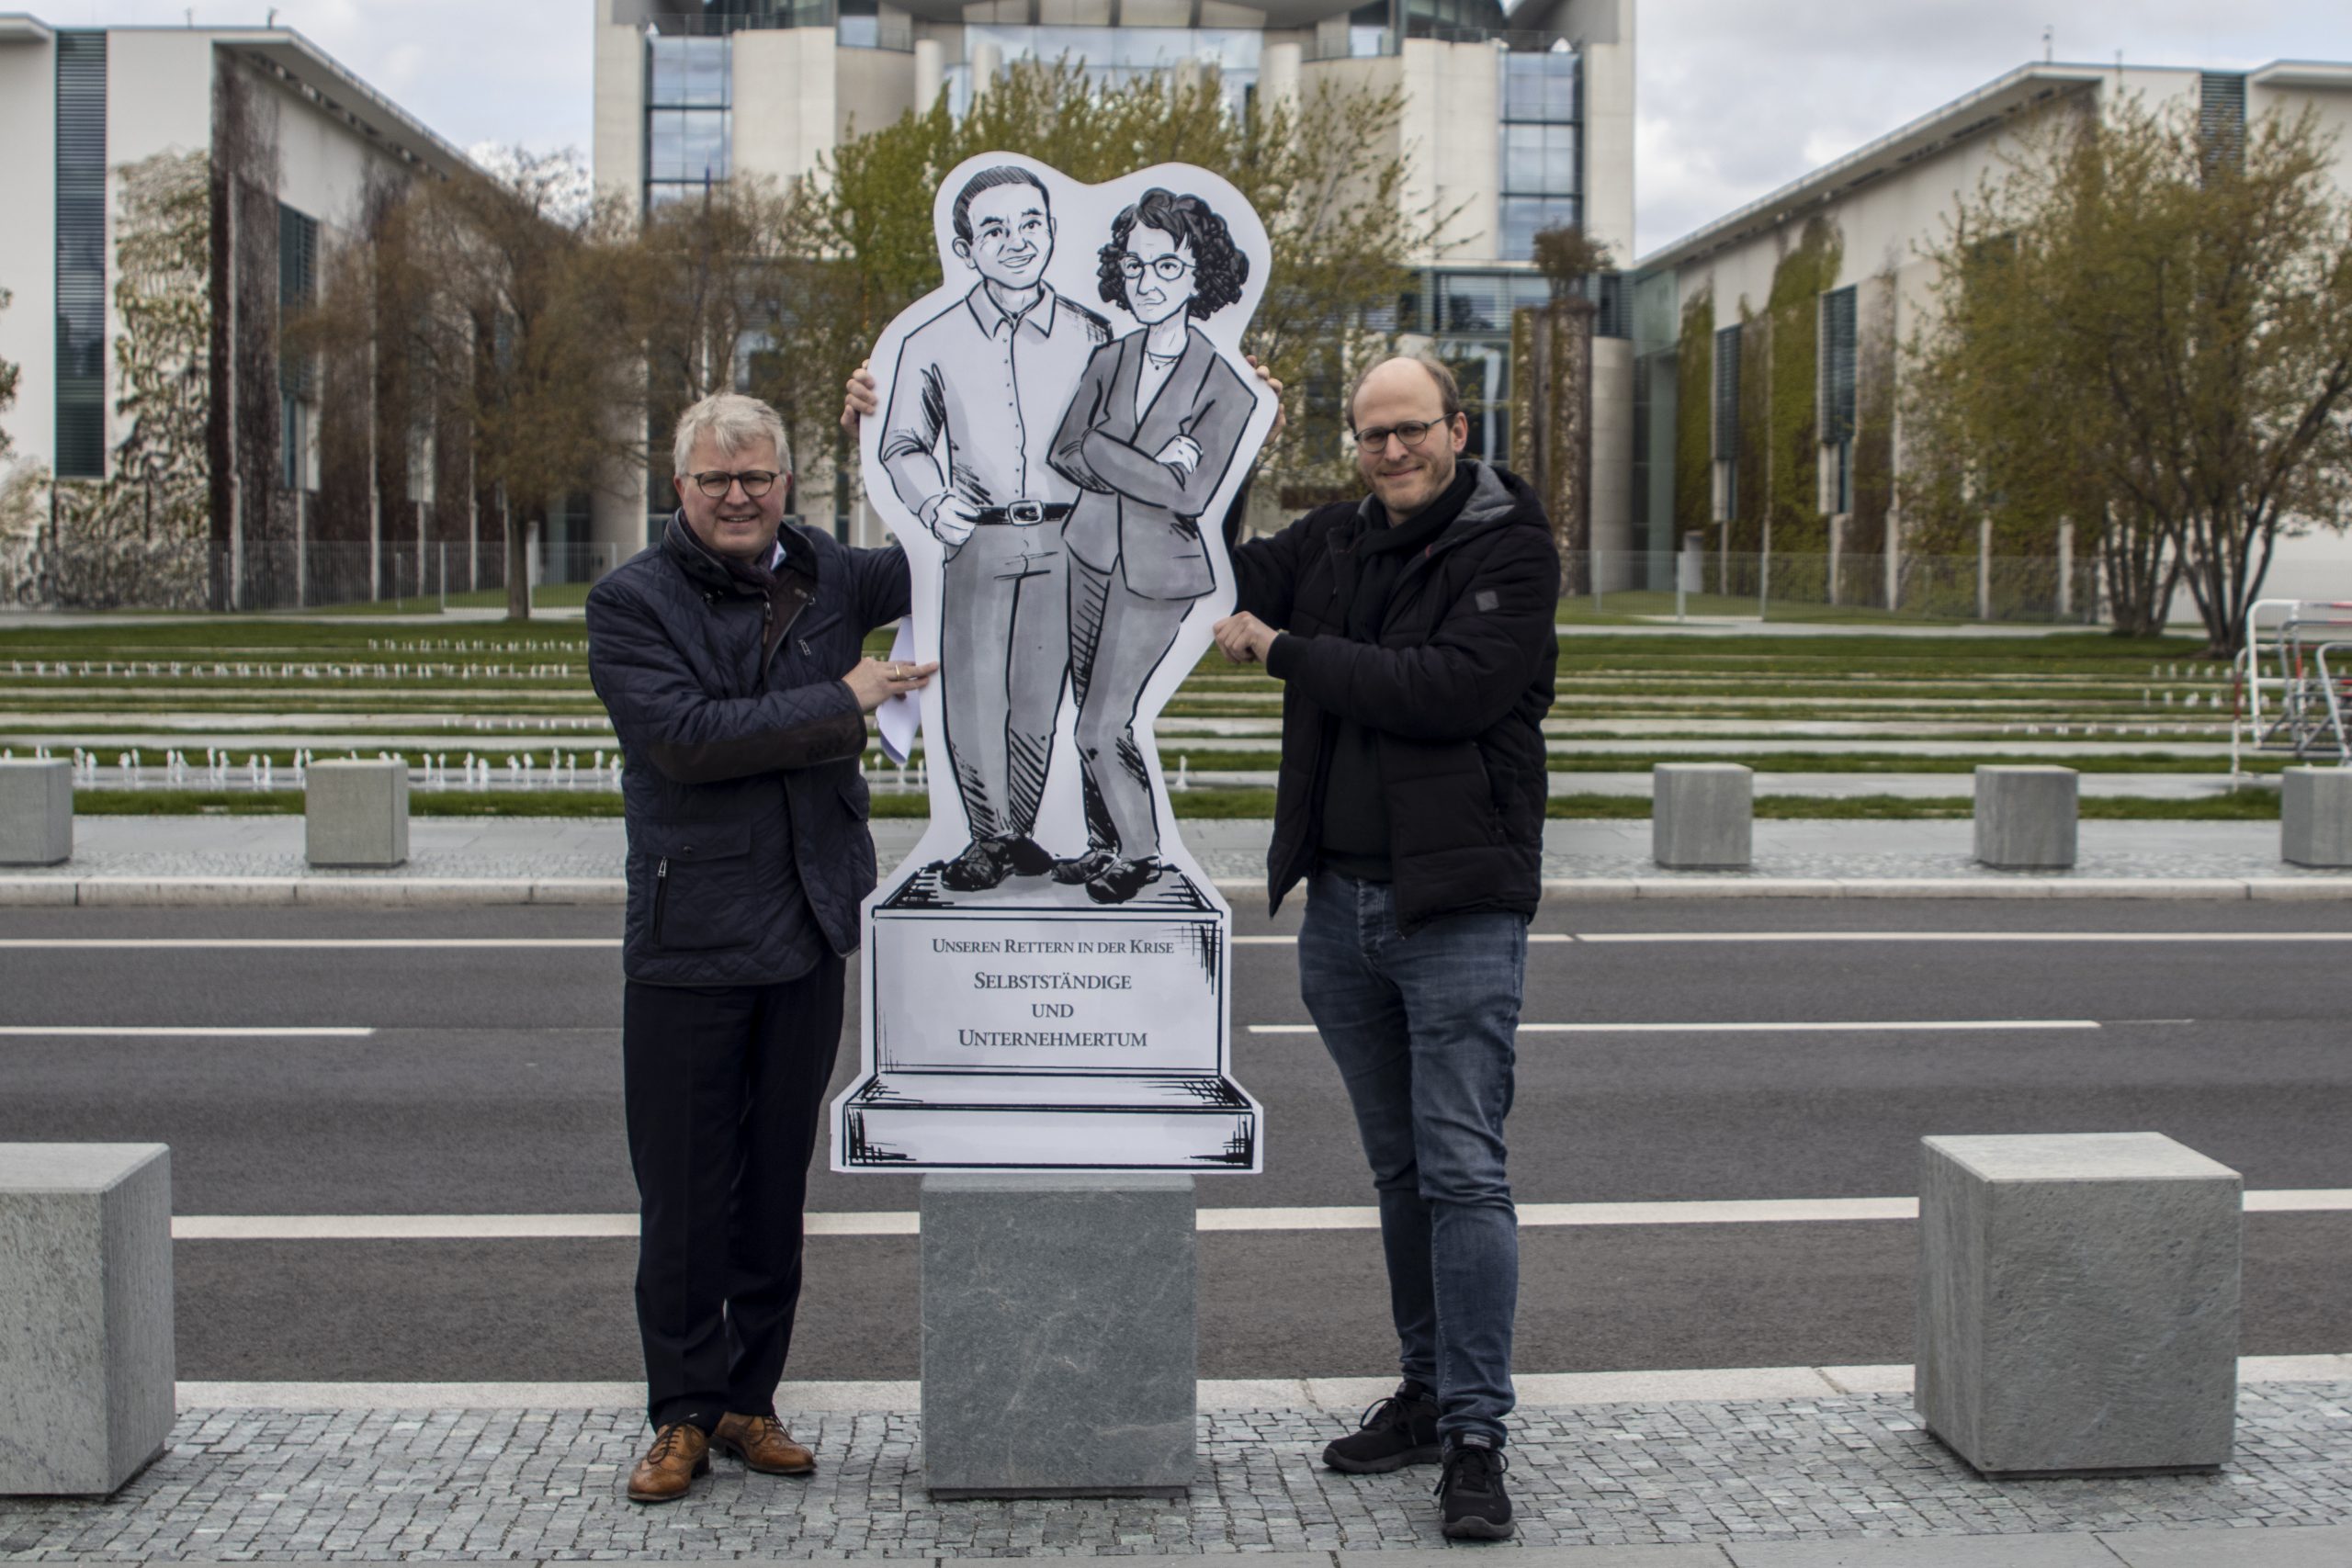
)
(1470, 1490)
(1397, 1431)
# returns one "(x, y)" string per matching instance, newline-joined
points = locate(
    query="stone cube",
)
(1058, 1323)
(2026, 818)
(1702, 816)
(36, 811)
(87, 1362)
(2315, 817)
(2078, 1303)
(355, 813)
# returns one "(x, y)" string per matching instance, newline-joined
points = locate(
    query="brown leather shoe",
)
(762, 1444)
(679, 1452)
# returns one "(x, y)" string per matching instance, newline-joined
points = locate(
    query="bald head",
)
(1406, 416)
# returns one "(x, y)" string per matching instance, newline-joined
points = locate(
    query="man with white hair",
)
(729, 655)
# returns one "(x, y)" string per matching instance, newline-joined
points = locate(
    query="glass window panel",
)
(1523, 158)
(707, 71)
(704, 144)
(1560, 84)
(860, 32)
(665, 152)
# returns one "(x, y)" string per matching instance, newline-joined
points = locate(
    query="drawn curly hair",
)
(1220, 269)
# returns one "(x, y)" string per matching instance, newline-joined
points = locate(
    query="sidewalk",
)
(1803, 1480)
(184, 860)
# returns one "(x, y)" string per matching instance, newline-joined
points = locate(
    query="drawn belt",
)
(1023, 513)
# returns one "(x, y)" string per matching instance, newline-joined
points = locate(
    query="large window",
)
(1543, 172)
(1836, 410)
(297, 290)
(1727, 424)
(81, 256)
(688, 104)
(1114, 56)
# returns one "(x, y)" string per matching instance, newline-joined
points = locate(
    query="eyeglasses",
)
(756, 483)
(1412, 433)
(1168, 269)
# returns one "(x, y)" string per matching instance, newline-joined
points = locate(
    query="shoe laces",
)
(665, 1442)
(1395, 1410)
(1473, 1467)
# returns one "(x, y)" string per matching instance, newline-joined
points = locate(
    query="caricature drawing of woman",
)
(1149, 438)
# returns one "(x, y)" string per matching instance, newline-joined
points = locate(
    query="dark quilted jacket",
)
(1456, 689)
(739, 777)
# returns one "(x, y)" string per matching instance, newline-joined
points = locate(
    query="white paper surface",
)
(901, 717)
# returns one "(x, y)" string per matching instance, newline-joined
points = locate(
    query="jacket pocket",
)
(702, 885)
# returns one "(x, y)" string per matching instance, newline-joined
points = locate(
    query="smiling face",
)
(1407, 478)
(734, 524)
(1151, 296)
(1012, 236)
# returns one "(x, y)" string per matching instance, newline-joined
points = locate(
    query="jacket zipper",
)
(661, 896)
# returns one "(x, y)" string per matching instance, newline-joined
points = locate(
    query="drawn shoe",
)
(1029, 857)
(1083, 868)
(679, 1452)
(1470, 1492)
(762, 1443)
(1397, 1431)
(983, 864)
(1120, 880)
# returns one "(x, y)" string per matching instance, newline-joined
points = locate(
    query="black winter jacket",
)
(740, 778)
(1456, 688)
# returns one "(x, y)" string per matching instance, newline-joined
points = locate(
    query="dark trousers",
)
(725, 1088)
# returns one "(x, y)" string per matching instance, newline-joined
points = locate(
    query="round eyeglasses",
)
(756, 483)
(1168, 269)
(1412, 433)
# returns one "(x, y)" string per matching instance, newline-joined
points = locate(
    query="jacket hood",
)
(1498, 499)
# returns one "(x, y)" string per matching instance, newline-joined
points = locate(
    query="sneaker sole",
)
(1479, 1529)
(1429, 1455)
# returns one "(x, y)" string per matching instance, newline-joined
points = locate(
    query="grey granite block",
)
(1702, 816)
(355, 813)
(2078, 1303)
(1058, 1340)
(2315, 817)
(86, 1314)
(36, 811)
(1954, 1552)
(2026, 818)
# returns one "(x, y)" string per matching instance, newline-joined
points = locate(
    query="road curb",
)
(383, 892)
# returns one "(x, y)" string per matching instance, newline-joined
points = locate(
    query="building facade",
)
(1521, 121)
(175, 193)
(1809, 295)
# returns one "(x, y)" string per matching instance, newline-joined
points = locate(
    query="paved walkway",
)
(1799, 1482)
(579, 860)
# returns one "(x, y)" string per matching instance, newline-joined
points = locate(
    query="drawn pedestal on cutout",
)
(1028, 1028)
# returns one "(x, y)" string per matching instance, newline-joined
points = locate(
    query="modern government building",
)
(1515, 119)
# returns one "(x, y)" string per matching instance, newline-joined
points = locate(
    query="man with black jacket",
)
(1413, 635)
(730, 655)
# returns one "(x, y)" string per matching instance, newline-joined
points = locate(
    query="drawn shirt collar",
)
(1037, 318)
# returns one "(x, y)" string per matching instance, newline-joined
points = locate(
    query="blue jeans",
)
(1423, 1029)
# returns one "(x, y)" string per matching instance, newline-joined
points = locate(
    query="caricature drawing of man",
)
(977, 398)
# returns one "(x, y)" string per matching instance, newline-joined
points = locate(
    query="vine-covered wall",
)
(142, 535)
(249, 498)
(1874, 390)
(1779, 396)
(1694, 381)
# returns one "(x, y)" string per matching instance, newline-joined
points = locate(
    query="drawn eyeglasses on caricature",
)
(1168, 269)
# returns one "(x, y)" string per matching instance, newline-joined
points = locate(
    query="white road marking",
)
(180, 1032)
(1662, 937)
(568, 1227)
(237, 943)
(1343, 1398)
(1843, 1026)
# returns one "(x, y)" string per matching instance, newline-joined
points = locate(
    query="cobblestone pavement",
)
(564, 848)
(547, 1484)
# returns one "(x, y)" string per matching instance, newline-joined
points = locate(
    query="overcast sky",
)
(1737, 97)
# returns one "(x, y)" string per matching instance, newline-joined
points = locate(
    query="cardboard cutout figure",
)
(1064, 426)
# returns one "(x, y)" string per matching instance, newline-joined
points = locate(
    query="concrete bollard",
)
(355, 814)
(36, 811)
(2078, 1303)
(2026, 818)
(1058, 1340)
(86, 1367)
(1702, 816)
(2315, 817)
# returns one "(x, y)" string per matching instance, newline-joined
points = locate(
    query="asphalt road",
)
(491, 1083)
